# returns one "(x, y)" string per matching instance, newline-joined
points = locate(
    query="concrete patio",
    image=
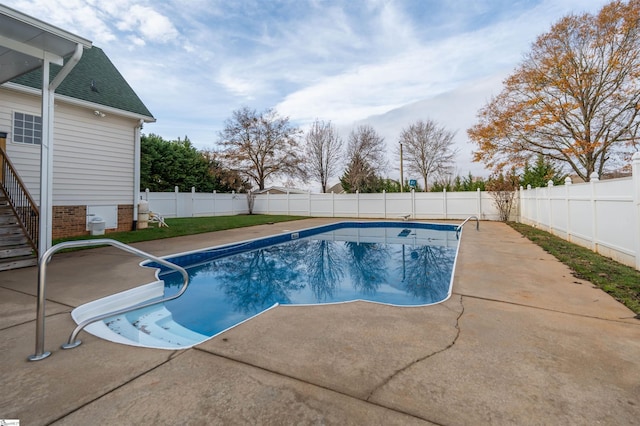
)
(521, 341)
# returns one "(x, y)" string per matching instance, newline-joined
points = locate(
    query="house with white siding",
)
(96, 130)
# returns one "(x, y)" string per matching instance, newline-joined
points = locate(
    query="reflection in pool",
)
(386, 262)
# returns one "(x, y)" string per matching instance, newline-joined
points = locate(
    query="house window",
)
(27, 128)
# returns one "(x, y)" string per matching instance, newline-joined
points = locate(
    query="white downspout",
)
(46, 148)
(136, 173)
(64, 72)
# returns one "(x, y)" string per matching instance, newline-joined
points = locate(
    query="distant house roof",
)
(281, 190)
(94, 79)
(337, 188)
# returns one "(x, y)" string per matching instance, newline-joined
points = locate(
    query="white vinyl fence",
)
(601, 215)
(194, 204)
(413, 205)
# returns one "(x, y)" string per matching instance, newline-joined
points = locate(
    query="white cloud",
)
(149, 23)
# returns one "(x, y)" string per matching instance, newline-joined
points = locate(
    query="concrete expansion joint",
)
(169, 358)
(424, 358)
(621, 320)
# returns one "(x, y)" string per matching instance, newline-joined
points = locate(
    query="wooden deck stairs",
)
(15, 249)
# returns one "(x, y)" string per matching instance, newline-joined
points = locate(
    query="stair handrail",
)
(42, 278)
(23, 205)
(459, 227)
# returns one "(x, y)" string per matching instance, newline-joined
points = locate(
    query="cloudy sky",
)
(386, 63)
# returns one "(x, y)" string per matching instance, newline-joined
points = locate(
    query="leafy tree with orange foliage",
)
(575, 98)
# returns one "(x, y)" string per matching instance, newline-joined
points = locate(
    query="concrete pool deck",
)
(521, 341)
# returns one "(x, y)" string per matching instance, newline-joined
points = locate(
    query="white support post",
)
(288, 208)
(46, 164)
(635, 167)
(213, 213)
(479, 203)
(358, 203)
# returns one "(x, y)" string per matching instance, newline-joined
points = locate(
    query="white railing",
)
(412, 205)
(601, 215)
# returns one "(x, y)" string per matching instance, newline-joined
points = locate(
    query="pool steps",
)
(155, 328)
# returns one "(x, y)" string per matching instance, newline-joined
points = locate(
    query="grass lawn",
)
(620, 281)
(188, 226)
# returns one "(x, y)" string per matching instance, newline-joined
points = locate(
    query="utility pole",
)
(401, 172)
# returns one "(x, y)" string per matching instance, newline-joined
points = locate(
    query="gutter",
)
(80, 103)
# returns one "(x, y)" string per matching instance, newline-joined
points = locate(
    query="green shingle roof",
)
(94, 79)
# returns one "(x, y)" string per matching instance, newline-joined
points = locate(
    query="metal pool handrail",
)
(459, 228)
(42, 277)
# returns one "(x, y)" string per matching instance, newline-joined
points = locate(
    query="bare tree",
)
(261, 146)
(366, 160)
(324, 151)
(502, 188)
(427, 149)
(574, 99)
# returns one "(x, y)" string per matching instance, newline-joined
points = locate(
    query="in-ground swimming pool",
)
(397, 263)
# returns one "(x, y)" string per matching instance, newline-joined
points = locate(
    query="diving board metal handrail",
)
(459, 228)
(42, 278)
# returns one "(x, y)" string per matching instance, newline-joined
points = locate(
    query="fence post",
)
(233, 203)
(193, 200)
(521, 204)
(358, 203)
(268, 202)
(635, 170)
(444, 202)
(309, 203)
(549, 206)
(333, 204)
(288, 208)
(384, 202)
(567, 184)
(213, 198)
(593, 178)
(176, 192)
(146, 194)
(479, 202)
(413, 203)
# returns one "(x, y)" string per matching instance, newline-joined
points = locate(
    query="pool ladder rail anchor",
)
(459, 228)
(42, 278)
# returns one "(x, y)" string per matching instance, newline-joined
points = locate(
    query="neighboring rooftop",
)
(94, 79)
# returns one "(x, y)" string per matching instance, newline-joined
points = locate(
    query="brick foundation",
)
(71, 221)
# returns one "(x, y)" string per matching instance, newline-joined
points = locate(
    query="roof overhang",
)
(25, 42)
